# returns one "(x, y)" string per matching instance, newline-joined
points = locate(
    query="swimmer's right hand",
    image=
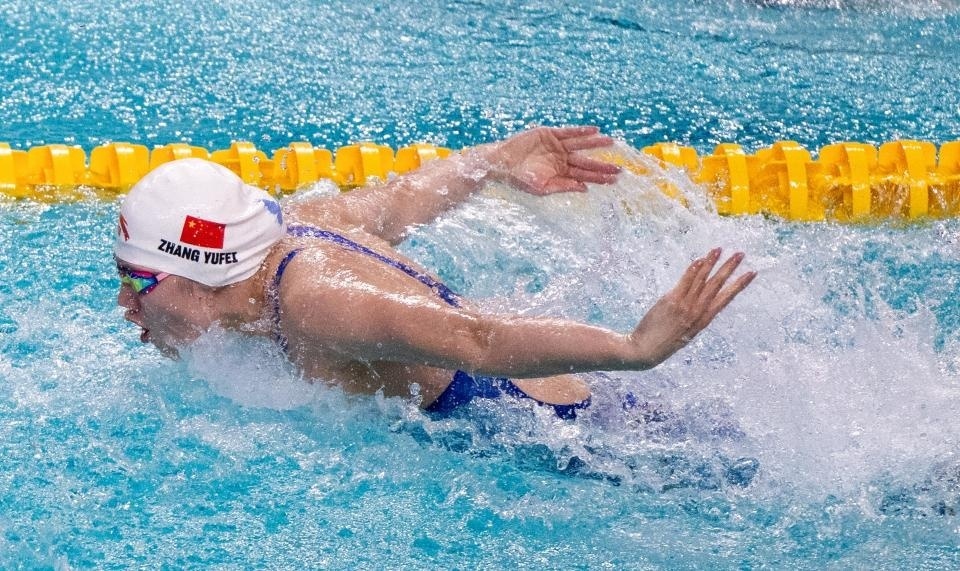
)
(548, 160)
(688, 308)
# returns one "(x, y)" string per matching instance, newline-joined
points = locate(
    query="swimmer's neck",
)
(241, 306)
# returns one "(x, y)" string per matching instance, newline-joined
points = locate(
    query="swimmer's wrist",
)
(486, 161)
(636, 357)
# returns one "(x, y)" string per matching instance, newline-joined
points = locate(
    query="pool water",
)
(813, 425)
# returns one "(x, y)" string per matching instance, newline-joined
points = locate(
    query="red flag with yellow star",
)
(203, 233)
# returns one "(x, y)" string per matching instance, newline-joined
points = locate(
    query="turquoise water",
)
(835, 374)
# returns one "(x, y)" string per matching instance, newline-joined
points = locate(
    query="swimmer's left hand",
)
(688, 308)
(547, 160)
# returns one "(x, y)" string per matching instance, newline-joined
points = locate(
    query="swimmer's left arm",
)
(351, 315)
(539, 161)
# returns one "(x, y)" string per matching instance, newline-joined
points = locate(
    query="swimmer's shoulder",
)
(319, 213)
(316, 216)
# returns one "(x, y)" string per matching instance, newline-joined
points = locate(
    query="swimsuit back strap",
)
(275, 295)
(439, 288)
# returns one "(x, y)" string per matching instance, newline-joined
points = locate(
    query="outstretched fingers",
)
(687, 280)
(716, 282)
(574, 139)
(727, 294)
(572, 132)
(591, 176)
(588, 142)
(564, 184)
(576, 160)
(720, 299)
(582, 170)
(703, 295)
(700, 278)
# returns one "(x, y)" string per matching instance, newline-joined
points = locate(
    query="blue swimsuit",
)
(464, 387)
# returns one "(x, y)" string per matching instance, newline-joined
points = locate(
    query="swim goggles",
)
(140, 282)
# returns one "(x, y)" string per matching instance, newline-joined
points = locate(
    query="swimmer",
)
(196, 247)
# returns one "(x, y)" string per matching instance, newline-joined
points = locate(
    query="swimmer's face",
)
(168, 314)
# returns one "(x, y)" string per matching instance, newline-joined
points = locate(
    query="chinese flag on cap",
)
(203, 233)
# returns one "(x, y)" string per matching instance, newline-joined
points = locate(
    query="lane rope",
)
(845, 182)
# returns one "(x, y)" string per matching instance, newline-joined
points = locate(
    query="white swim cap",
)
(196, 219)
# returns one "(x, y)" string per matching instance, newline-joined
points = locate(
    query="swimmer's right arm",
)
(538, 161)
(355, 320)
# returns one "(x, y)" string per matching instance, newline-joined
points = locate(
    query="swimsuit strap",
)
(275, 296)
(442, 291)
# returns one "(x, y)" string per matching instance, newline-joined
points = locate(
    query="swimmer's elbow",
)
(474, 346)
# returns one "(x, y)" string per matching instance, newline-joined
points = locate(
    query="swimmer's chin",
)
(167, 349)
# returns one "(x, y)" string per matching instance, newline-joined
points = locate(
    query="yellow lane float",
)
(847, 181)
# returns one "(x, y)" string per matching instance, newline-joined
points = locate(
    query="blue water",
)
(812, 426)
